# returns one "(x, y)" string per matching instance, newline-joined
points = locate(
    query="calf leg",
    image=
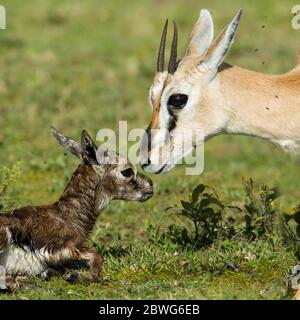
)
(51, 272)
(95, 263)
(14, 283)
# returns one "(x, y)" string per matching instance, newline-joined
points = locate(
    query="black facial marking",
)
(172, 124)
(148, 133)
(146, 142)
(173, 120)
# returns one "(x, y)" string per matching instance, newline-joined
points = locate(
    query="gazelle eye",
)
(127, 172)
(178, 101)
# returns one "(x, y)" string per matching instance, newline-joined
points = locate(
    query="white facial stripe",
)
(164, 117)
(159, 83)
(157, 87)
(164, 149)
(151, 97)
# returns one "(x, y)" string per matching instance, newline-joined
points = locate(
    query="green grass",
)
(149, 272)
(88, 64)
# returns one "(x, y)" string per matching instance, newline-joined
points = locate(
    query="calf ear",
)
(218, 50)
(202, 34)
(68, 143)
(88, 146)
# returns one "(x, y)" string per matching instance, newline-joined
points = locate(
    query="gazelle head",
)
(106, 170)
(184, 97)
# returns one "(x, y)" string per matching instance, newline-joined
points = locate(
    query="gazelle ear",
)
(88, 146)
(218, 50)
(68, 143)
(202, 34)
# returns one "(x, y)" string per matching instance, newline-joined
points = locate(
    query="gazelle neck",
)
(261, 105)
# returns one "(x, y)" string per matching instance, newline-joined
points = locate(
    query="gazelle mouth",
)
(161, 169)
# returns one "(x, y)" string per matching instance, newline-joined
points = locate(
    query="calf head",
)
(110, 172)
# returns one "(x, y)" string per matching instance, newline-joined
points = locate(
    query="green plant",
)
(290, 230)
(205, 210)
(210, 224)
(173, 235)
(259, 210)
(7, 176)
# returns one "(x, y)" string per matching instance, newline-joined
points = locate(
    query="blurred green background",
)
(88, 64)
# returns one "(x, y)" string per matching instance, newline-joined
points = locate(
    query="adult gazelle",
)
(200, 91)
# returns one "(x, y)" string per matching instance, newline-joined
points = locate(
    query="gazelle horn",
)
(162, 47)
(173, 55)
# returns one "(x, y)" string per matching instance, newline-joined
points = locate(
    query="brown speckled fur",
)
(66, 224)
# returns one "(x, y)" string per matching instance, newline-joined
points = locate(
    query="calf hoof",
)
(73, 278)
(80, 279)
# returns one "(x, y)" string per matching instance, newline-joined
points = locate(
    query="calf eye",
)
(127, 172)
(178, 101)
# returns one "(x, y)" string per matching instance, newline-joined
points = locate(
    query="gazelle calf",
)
(38, 240)
(202, 92)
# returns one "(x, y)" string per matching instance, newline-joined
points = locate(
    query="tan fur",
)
(261, 105)
(222, 98)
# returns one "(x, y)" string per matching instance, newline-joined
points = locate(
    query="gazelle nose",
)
(146, 164)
